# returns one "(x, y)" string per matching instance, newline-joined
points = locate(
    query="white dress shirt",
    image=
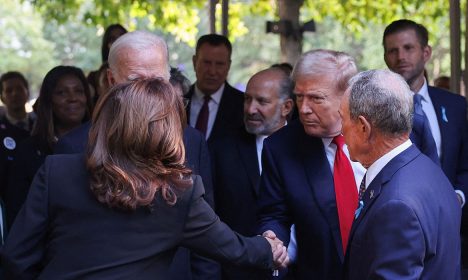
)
(197, 102)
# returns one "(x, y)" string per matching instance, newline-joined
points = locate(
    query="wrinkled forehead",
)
(142, 64)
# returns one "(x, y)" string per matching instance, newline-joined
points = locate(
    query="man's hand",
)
(280, 252)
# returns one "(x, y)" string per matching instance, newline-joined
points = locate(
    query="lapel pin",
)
(444, 115)
(371, 194)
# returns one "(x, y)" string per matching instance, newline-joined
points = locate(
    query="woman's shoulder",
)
(66, 164)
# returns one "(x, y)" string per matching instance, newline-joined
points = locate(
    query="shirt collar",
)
(215, 97)
(424, 92)
(379, 164)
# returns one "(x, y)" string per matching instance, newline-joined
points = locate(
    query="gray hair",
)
(139, 41)
(384, 99)
(286, 86)
(322, 62)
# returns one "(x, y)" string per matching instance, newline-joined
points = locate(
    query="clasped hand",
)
(280, 252)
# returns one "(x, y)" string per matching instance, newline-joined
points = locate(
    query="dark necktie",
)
(345, 190)
(421, 134)
(202, 120)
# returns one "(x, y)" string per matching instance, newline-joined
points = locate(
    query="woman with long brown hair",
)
(120, 211)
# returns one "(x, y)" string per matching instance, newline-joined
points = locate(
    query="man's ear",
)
(365, 127)
(194, 61)
(110, 77)
(287, 107)
(427, 53)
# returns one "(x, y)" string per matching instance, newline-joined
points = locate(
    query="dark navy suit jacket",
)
(185, 265)
(236, 176)
(451, 116)
(296, 187)
(230, 112)
(63, 232)
(409, 226)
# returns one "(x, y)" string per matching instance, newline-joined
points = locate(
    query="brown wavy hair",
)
(135, 145)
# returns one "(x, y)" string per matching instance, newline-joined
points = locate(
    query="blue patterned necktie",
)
(421, 134)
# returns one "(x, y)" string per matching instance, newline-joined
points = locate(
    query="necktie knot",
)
(339, 141)
(206, 98)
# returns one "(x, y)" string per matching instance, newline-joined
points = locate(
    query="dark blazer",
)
(409, 226)
(230, 112)
(186, 265)
(451, 116)
(235, 178)
(10, 137)
(63, 232)
(28, 158)
(296, 187)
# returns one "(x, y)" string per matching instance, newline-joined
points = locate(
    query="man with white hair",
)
(308, 179)
(408, 221)
(137, 55)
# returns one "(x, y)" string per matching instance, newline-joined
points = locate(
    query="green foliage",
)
(71, 31)
(22, 45)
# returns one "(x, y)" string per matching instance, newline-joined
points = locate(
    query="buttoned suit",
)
(296, 187)
(451, 117)
(409, 225)
(235, 178)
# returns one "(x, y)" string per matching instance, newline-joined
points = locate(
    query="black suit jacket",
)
(230, 112)
(186, 265)
(63, 232)
(28, 157)
(10, 137)
(235, 178)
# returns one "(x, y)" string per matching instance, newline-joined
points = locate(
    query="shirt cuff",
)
(462, 196)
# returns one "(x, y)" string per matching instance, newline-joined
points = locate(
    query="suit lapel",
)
(440, 109)
(373, 191)
(224, 111)
(188, 97)
(247, 149)
(320, 180)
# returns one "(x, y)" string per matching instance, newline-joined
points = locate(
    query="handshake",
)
(280, 252)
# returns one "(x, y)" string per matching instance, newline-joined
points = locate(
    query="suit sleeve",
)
(272, 208)
(25, 246)
(462, 165)
(396, 239)
(207, 235)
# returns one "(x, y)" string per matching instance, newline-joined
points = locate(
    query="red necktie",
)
(202, 120)
(345, 190)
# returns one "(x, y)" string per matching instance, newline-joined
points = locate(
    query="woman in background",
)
(121, 210)
(63, 104)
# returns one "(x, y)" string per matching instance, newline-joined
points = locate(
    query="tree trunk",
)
(291, 44)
